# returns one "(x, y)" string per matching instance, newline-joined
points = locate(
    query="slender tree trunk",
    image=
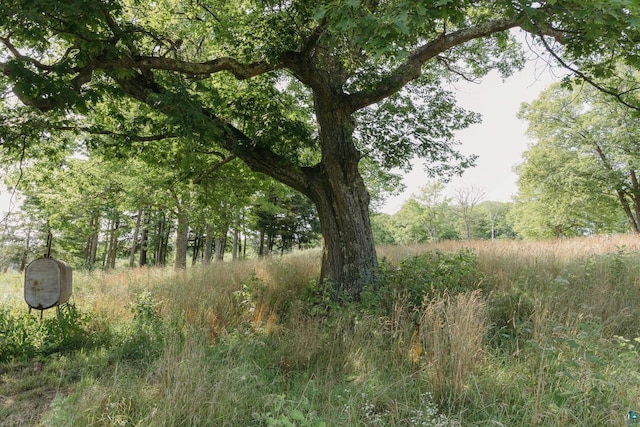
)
(165, 241)
(144, 242)
(134, 242)
(112, 249)
(234, 250)
(627, 210)
(270, 242)
(221, 243)
(157, 258)
(208, 245)
(261, 244)
(622, 196)
(635, 190)
(94, 245)
(86, 254)
(93, 240)
(244, 245)
(182, 241)
(197, 249)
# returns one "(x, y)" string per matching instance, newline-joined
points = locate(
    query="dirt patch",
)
(26, 408)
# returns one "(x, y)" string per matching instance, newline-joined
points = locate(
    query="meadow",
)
(504, 333)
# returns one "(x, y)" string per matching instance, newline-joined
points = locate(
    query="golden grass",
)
(505, 259)
(244, 334)
(452, 332)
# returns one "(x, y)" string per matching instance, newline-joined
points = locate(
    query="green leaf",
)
(296, 415)
(591, 357)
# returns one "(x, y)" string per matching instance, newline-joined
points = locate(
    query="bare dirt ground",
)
(25, 394)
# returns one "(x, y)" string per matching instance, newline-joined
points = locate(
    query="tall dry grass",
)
(242, 345)
(453, 329)
(504, 260)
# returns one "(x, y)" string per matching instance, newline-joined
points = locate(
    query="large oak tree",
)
(246, 75)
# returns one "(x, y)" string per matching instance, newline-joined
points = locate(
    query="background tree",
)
(467, 199)
(492, 221)
(580, 176)
(245, 76)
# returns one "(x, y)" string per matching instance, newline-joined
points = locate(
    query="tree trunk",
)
(134, 240)
(160, 245)
(112, 250)
(182, 241)
(261, 244)
(244, 245)
(144, 241)
(236, 240)
(93, 240)
(627, 210)
(635, 197)
(197, 248)
(208, 245)
(349, 259)
(221, 243)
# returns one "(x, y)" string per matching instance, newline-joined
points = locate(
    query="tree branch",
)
(258, 158)
(583, 76)
(412, 68)
(239, 70)
(14, 51)
(131, 137)
(213, 168)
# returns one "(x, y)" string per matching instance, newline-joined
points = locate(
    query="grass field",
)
(504, 333)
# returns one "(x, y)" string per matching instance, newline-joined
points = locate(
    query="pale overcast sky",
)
(499, 140)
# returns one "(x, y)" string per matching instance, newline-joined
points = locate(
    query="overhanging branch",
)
(258, 158)
(132, 137)
(239, 70)
(412, 67)
(617, 95)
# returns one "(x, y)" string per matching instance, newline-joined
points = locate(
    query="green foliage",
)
(282, 412)
(424, 277)
(283, 217)
(420, 121)
(511, 315)
(25, 336)
(578, 178)
(142, 340)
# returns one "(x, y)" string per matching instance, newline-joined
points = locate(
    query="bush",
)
(143, 338)
(424, 276)
(25, 336)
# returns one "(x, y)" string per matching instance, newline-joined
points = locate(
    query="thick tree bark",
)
(349, 259)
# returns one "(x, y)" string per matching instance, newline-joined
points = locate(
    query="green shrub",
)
(143, 338)
(511, 318)
(25, 336)
(427, 275)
